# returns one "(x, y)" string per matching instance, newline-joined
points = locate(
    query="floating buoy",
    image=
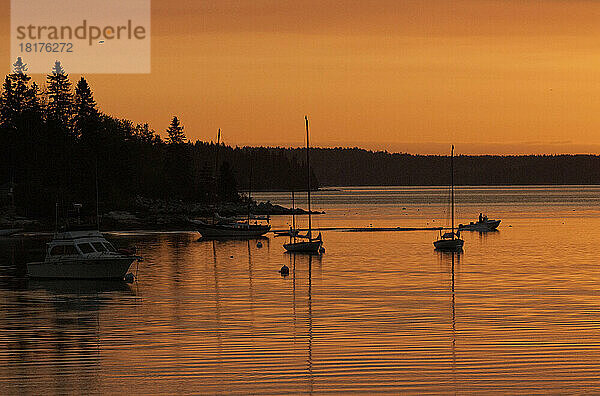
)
(129, 278)
(230, 256)
(259, 244)
(284, 270)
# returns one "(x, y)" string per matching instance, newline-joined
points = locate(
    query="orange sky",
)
(490, 76)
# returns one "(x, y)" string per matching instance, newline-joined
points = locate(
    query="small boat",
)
(231, 230)
(82, 255)
(232, 227)
(310, 245)
(6, 232)
(450, 240)
(483, 224)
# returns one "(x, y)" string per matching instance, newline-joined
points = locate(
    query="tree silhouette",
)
(175, 132)
(60, 97)
(86, 116)
(19, 67)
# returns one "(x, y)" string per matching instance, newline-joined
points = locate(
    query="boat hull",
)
(9, 231)
(304, 247)
(96, 268)
(489, 225)
(223, 231)
(449, 244)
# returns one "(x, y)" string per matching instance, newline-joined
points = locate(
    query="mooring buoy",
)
(284, 270)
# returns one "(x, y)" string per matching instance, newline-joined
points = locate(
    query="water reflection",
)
(310, 326)
(53, 329)
(78, 287)
(377, 312)
(451, 262)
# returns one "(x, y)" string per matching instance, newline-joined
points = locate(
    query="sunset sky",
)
(490, 76)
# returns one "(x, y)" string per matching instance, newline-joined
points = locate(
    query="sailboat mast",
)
(308, 179)
(452, 188)
(217, 153)
(250, 191)
(216, 174)
(97, 199)
(293, 215)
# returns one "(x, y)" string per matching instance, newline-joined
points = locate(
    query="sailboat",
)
(450, 240)
(225, 227)
(306, 244)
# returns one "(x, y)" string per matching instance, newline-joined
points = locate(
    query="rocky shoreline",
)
(153, 214)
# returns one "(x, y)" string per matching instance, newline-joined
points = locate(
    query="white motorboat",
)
(82, 255)
(450, 240)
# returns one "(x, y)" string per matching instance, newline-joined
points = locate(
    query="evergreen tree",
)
(19, 118)
(145, 134)
(34, 107)
(8, 110)
(16, 96)
(86, 117)
(19, 67)
(175, 132)
(60, 98)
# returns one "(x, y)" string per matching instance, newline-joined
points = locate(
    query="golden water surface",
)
(518, 311)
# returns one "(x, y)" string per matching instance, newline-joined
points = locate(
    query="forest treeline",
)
(58, 146)
(359, 167)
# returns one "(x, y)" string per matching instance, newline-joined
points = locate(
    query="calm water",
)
(517, 312)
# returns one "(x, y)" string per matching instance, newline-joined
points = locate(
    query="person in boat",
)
(480, 217)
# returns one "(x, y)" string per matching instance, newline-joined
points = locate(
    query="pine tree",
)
(145, 134)
(60, 103)
(175, 132)
(20, 117)
(16, 96)
(8, 112)
(34, 106)
(19, 67)
(86, 117)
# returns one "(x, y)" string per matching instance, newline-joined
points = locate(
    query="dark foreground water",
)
(517, 312)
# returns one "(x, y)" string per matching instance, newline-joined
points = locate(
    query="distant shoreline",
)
(365, 186)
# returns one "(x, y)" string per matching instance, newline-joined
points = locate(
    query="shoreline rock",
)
(155, 214)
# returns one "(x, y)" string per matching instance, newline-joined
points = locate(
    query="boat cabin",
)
(79, 244)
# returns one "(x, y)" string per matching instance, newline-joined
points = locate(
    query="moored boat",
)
(231, 230)
(450, 240)
(310, 244)
(81, 255)
(483, 224)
